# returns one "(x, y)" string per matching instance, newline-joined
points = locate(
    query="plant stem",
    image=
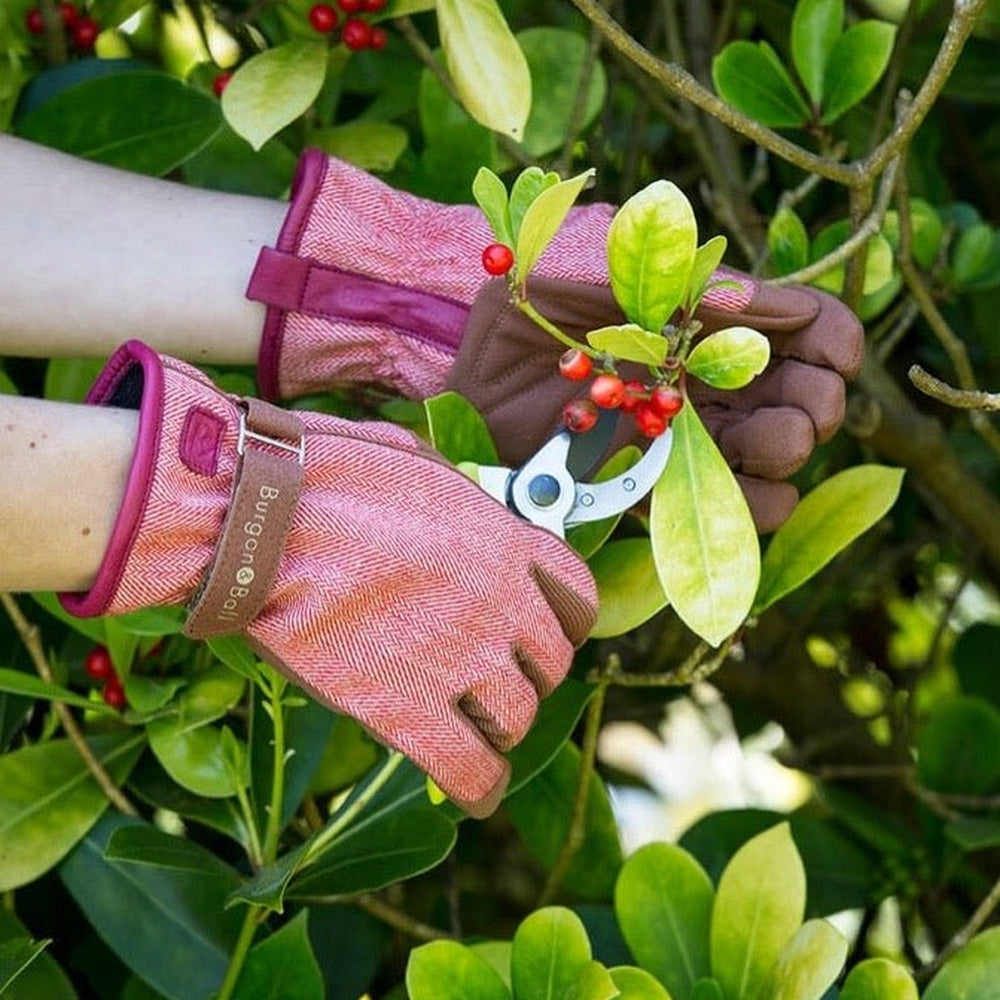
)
(965, 935)
(400, 920)
(31, 637)
(965, 399)
(578, 820)
(550, 328)
(253, 917)
(273, 830)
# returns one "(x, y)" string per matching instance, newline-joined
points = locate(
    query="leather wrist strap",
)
(271, 446)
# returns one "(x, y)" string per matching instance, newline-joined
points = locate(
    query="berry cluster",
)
(99, 667)
(82, 30)
(356, 33)
(652, 407)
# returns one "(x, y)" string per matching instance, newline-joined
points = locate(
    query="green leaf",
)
(787, 241)
(169, 926)
(816, 26)
(16, 954)
(7, 387)
(879, 979)
(141, 120)
(527, 186)
(550, 952)
(491, 196)
(627, 585)
(458, 431)
(147, 695)
(271, 89)
(706, 259)
(966, 766)
(69, 379)
(541, 812)
(146, 845)
(228, 163)
(973, 833)
(758, 908)
(368, 145)
(809, 964)
(49, 800)
(637, 984)
(486, 64)
(652, 243)
(823, 524)
(43, 979)
(543, 218)
(30, 686)
(447, 970)
(752, 78)
(233, 651)
(704, 541)
(707, 989)
(857, 61)
(282, 965)
(588, 537)
(593, 983)
(972, 973)
(878, 260)
(730, 358)
(972, 254)
(629, 342)
(663, 901)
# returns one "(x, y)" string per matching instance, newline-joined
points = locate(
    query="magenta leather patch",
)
(201, 439)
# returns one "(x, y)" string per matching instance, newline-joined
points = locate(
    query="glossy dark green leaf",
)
(170, 927)
(49, 799)
(627, 585)
(974, 657)
(652, 244)
(816, 26)
(970, 765)
(541, 812)
(16, 955)
(856, 63)
(550, 952)
(971, 974)
(458, 431)
(30, 686)
(663, 900)
(787, 241)
(229, 163)
(975, 251)
(447, 970)
(282, 966)
(759, 905)
(349, 945)
(146, 845)
(271, 89)
(879, 979)
(142, 120)
(267, 887)
(753, 79)
(486, 64)
(973, 833)
(349, 754)
(823, 524)
(42, 979)
(233, 651)
(704, 541)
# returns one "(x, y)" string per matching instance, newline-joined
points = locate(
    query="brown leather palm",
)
(508, 368)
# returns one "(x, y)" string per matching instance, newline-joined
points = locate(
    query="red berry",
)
(70, 14)
(649, 422)
(349, 6)
(580, 415)
(667, 400)
(635, 393)
(34, 21)
(85, 33)
(608, 391)
(498, 258)
(357, 34)
(221, 81)
(97, 663)
(575, 365)
(379, 39)
(114, 694)
(323, 18)
(371, 6)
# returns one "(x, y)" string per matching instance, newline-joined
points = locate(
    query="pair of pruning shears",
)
(546, 490)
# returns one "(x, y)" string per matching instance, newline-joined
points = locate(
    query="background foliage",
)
(254, 844)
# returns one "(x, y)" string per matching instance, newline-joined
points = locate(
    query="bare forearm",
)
(62, 476)
(90, 256)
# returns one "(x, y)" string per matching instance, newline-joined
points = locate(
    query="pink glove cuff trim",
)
(308, 178)
(96, 600)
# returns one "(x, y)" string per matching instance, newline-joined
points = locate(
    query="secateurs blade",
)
(545, 491)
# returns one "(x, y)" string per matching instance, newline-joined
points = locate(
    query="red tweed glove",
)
(355, 560)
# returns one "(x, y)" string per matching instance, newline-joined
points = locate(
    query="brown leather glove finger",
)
(771, 502)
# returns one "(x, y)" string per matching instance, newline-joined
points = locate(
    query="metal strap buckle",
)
(297, 448)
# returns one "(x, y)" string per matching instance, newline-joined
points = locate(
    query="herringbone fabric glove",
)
(354, 559)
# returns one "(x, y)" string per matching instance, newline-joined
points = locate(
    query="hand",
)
(367, 569)
(508, 368)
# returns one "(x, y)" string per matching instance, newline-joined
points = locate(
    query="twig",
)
(399, 919)
(578, 820)
(968, 932)
(31, 637)
(964, 399)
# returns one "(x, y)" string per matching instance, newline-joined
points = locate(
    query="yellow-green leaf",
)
(730, 358)
(809, 964)
(704, 541)
(368, 145)
(706, 259)
(486, 64)
(543, 218)
(627, 586)
(629, 342)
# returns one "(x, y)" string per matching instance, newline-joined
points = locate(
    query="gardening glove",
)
(508, 367)
(352, 558)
